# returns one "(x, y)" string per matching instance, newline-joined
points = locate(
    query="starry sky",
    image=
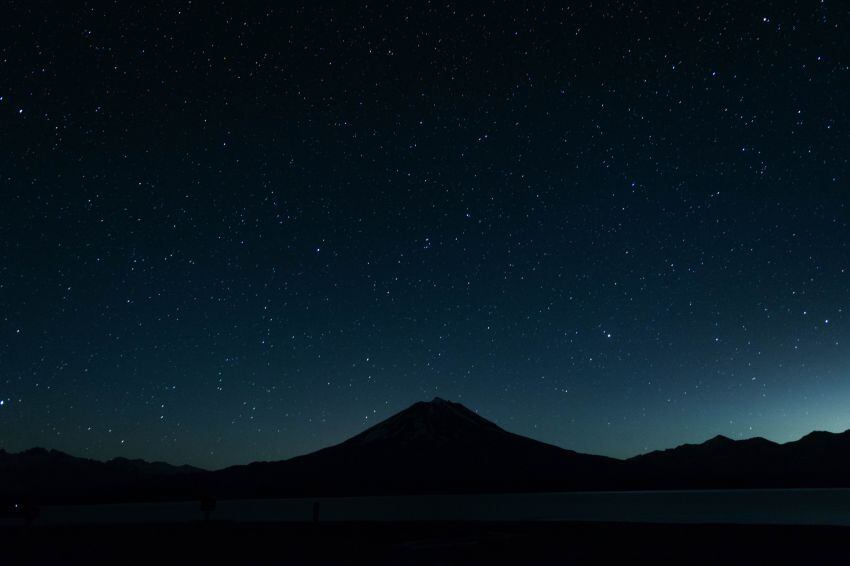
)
(244, 231)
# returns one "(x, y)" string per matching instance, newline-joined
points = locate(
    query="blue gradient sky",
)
(236, 233)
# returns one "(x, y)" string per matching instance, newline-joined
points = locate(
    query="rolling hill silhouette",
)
(819, 459)
(56, 476)
(436, 446)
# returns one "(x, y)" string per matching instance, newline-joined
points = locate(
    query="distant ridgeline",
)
(430, 447)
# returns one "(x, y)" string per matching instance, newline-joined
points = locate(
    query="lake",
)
(779, 506)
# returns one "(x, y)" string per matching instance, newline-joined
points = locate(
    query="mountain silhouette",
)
(40, 474)
(435, 446)
(428, 447)
(439, 423)
(819, 459)
(717, 462)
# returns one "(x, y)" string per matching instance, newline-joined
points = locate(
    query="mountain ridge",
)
(437, 446)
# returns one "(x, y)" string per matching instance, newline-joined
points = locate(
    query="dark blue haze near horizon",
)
(245, 231)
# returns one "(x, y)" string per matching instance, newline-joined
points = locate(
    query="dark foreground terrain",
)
(425, 543)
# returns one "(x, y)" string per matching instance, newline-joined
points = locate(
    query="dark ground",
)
(425, 543)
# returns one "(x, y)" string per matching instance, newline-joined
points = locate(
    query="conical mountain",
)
(434, 446)
(436, 423)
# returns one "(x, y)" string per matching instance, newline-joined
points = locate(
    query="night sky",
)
(237, 232)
